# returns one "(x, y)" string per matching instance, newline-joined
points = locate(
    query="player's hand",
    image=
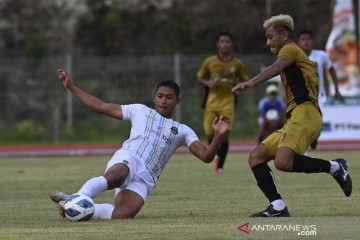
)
(64, 76)
(241, 87)
(338, 96)
(213, 83)
(221, 125)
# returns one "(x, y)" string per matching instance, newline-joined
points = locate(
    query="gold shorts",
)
(301, 129)
(210, 115)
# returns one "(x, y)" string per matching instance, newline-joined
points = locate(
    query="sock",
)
(103, 211)
(222, 152)
(94, 187)
(278, 204)
(310, 165)
(334, 167)
(266, 181)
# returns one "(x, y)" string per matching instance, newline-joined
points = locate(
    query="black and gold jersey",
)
(300, 79)
(227, 74)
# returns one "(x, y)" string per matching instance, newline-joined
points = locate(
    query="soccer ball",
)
(79, 207)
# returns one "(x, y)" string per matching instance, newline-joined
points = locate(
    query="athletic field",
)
(189, 202)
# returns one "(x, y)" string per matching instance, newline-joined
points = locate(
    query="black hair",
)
(170, 84)
(280, 29)
(306, 32)
(225, 34)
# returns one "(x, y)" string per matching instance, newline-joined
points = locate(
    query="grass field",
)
(189, 202)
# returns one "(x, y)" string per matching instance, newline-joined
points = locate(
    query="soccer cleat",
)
(58, 196)
(342, 176)
(271, 212)
(219, 171)
(216, 164)
(61, 208)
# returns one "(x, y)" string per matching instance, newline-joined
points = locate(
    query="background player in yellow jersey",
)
(219, 74)
(300, 79)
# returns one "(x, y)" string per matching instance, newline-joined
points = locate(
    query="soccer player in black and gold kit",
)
(287, 145)
(219, 74)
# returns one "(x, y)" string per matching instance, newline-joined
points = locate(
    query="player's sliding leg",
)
(61, 208)
(114, 177)
(94, 187)
(58, 196)
(127, 205)
(103, 211)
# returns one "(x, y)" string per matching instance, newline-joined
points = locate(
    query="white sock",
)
(334, 167)
(278, 204)
(103, 211)
(94, 187)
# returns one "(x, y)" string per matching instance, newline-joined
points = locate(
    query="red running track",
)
(109, 149)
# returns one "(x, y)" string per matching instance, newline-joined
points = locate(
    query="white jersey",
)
(322, 62)
(153, 138)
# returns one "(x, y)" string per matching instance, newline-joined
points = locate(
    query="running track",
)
(109, 149)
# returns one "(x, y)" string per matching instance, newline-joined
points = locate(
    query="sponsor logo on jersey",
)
(174, 130)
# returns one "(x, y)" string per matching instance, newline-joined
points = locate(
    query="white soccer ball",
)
(272, 115)
(79, 207)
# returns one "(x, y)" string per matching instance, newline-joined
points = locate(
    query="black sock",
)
(266, 181)
(222, 152)
(307, 164)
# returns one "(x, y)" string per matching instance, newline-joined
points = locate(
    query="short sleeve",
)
(204, 69)
(288, 51)
(327, 62)
(190, 136)
(242, 72)
(130, 111)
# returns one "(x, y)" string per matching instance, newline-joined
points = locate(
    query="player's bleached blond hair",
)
(282, 20)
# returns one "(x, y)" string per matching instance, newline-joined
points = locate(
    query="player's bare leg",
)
(127, 204)
(221, 153)
(116, 175)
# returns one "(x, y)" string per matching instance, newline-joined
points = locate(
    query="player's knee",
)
(282, 164)
(116, 175)
(255, 158)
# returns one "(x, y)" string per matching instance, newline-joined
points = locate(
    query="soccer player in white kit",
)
(323, 63)
(133, 171)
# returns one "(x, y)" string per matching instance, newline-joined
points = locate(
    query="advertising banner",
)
(343, 50)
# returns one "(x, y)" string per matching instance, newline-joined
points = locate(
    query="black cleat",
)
(271, 212)
(342, 176)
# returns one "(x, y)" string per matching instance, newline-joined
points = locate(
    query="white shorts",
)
(138, 180)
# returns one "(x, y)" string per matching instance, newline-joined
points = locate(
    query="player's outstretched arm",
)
(333, 74)
(207, 153)
(110, 109)
(273, 70)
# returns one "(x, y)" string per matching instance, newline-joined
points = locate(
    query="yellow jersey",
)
(227, 74)
(300, 79)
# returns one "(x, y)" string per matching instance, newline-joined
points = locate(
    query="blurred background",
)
(118, 50)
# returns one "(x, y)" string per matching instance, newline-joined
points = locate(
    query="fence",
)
(36, 107)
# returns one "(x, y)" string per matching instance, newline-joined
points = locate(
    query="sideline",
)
(109, 149)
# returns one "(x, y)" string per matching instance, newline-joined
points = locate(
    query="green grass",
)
(189, 202)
